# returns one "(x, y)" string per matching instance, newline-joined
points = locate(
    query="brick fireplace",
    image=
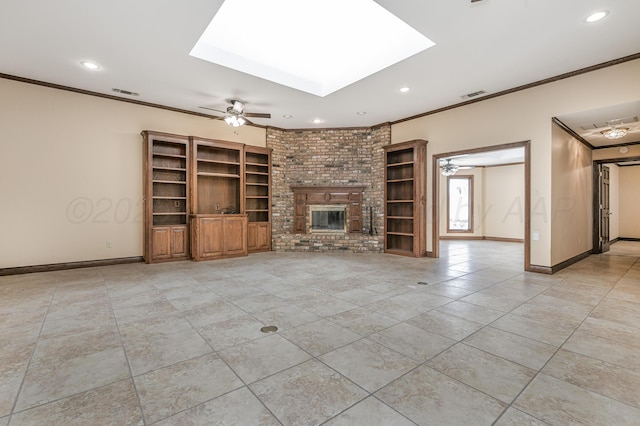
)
(328, 161)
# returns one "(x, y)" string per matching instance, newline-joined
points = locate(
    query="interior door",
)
(604, 209)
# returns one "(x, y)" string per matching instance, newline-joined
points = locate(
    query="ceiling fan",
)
(235, 114)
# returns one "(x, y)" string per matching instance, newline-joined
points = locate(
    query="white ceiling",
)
(488, 158)
(143, 46)
(589, 124)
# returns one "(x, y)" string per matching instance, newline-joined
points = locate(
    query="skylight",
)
(318, 47)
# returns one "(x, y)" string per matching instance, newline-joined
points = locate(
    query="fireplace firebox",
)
(328, 219)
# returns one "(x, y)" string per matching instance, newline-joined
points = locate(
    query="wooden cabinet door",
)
(258, 237)
(161, 242)
(355, 212)
(235, 237)
(210, 238)
(263, 236)
(179, 241)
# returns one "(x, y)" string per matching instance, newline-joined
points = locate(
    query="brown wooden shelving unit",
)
(405, 198)
(166, 198)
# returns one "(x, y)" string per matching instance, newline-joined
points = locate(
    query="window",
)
(460, 204)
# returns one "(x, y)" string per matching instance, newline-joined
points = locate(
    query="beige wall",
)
(521, 116)
(71, 175)
(571, 197)
(614, 201)
(630, 202)
(504, 202)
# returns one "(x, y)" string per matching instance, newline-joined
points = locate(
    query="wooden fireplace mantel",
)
(307, 195)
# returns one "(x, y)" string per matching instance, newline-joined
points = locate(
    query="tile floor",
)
(468, 339)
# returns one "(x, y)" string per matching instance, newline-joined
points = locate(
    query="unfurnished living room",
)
(245, 212)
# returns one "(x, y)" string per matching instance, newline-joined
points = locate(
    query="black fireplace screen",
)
(327, 220)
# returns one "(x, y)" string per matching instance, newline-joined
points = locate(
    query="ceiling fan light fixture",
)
(615, 132)
(448, 169)
(235, 120)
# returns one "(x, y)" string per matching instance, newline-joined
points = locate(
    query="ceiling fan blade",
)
(257, 115)
(212, 109)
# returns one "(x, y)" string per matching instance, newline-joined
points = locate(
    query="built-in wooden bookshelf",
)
(257, 197)
(166, 199)
(204, 199)
(218, 219)
(405, 198)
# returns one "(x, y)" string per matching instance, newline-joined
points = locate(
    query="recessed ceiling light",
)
(327, 67)
(287, 116)
(317, 121)
(404, 89)
(90, 65)
(361, 112)
(597, 16)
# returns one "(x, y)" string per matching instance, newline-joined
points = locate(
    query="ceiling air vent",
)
(125, 92)
(608, 123)
(473, 94)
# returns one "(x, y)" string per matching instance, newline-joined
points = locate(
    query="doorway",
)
(436, 198)
(602, 209)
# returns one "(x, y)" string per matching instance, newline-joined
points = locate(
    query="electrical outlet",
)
(108, 244)
(217, 206)
(177, 203)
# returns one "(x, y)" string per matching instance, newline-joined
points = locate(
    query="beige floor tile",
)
(368, 364)
(558, 402)
(114, 404)
(326, 305)
(471, 312)
(259, 303)
(400, 310)
(621, 311)
(286, 317)
(493, 375)
(181, 386)
(548, 313)
(50, 382)
(59, 349)
(263, 357)
(414, 342)
(359, 296)
(149, 328)
(423, 301)
(446, 290)
(307, 394)
(608, 341)
(577, 309)
(11, 375)
(513, 417)
(212, 313)
(146, 354)
(428, 397)
(527, 352)
(598, 376)
(551, 332)
(320, 337)
(363, 321)
(143, 311)
(4, 421)
(101, 319)
(370, 412)
(239, 407)
(445, 325)
(225, 334)
(498, 303)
